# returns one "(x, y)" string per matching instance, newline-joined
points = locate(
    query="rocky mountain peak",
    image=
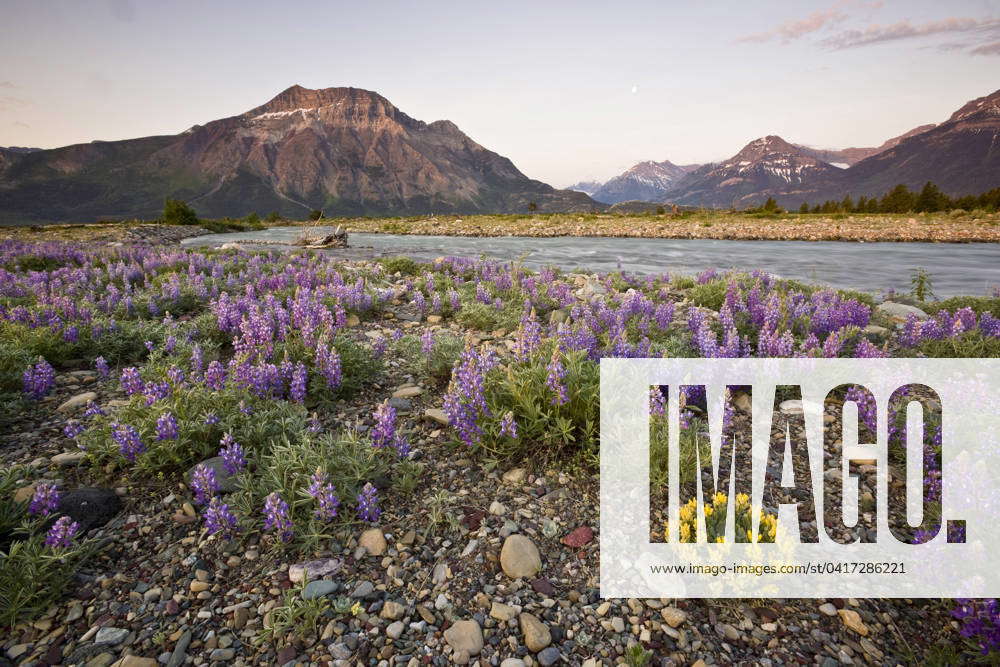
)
(989, 104)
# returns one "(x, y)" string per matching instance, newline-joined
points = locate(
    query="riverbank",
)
(930, 227)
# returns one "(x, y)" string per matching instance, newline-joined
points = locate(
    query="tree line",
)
(900, 199)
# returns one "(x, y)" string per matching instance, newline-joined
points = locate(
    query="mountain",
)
(961, 155)
(342, 150)
(586, 187)
(769, 166)
(847, 157)
(646, 181)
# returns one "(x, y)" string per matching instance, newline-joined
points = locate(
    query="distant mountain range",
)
(348, 151)
(961, 155)
(341, 150)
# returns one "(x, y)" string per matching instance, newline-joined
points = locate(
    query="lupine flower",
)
(149, 344)
(233, 458)
(368, 509)
(379, 347)
(129, 441)
(176, 376)
(508, 427)
(39, 380)
(297, 390)
(657, 402)
(203, 483)
(218, 519)
(215, 376)
(384, 433)
(276, 517)
(73, 429)
(427, 342)
(554, 380)
(131, 381)
(102, 367)
(166, 427)
(313, 424)
(93, 410)
(45, 500)
(325, 495)
(211, 418)
(61, 534)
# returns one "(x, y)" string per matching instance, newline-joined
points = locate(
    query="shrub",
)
(402, 265)
(485, 317)
(348, 461)
(177, 212)
(979, 304)
(199, 434)
(32, 575)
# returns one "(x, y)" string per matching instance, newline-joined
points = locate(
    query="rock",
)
(111, 636)
(436, 415)
(89, 506)
(179, 655)
(74, 613)
(579, 537)
(407, 392)
(519, 557)
(318, 588)
(392, 610)
(401, 404)
(548, 656)
(515, 476)
(68, 458)
(502, 612)
(353, 320)
(24, 493)
(875, 330)
(240, 617)
(199, 586)
(899, 312)
(673, 616)
(793, 407)
(222, 654)
(497, 508)
(363, 590)
(434, 319)
(230, 246)
(828, 609)
(395, 630)
(536, 634)
(465, 636)
(512, 662)
(313, 569)
(134, 661)
(77, 401)
(373, 541)
(227, 483)
(852, 620)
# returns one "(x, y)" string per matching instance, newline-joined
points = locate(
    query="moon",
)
(635, 89)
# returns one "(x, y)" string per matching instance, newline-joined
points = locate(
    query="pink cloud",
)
(791, 30)
(991, 49)
(876, 34)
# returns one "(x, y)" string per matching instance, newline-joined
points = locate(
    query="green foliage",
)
(637, 656)
(979, 304)
(253, 219)
(439, 362)
(177, 212)
(267, 420)
(709, 295)
(14, 360)
(315, 214)
(32, 575)
(402, 265)
(295, 615)
(542, 426)
(122, 344)
(286, 465)
(485, 317)
(921, 285)
(272, 217)
(359, 367)
(971, 344)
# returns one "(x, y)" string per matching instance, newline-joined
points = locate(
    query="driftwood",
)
(338, 239)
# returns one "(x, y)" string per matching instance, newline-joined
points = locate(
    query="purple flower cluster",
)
(132, 382)
(276, 517)
(384, 433)
(219, 519)
(555, 379)
(45, 499)
(233, 458)
(203, 483)
(297, 389)
(39, 380)
(368, 509)
(166, 427)
(508, 427)
(465, 402)
(325, 495)
(62, 532)
(129, 441)
(980, 621)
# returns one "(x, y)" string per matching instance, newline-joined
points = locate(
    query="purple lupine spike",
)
(129, 441)
(368, 509)
(39, 379)
(62, 532)
(276, 517)
(166, 427)
(508, 427)
(203, 483)
(326, 499)
(45, 499)
(233, 457)
(219, 519)
(554, 380)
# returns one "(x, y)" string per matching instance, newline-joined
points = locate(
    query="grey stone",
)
(112, 636)
(227, 483)
(317, 589)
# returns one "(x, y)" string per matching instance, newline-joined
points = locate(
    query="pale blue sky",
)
(568, 91)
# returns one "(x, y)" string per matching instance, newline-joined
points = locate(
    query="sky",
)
(569, 91)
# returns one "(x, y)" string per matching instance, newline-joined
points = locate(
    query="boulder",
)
(90, 507)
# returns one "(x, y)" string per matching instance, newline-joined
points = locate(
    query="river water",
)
(955, 269)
